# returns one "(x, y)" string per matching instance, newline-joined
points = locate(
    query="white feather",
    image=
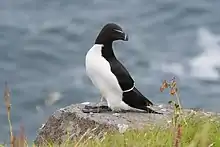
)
(99, 71)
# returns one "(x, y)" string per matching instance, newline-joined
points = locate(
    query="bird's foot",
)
(119, 110)
(95, 109)
(100, 103)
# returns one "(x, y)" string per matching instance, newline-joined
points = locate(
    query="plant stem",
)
(180, 106)
(10, 126)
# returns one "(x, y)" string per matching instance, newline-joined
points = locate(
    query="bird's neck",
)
(107, 51)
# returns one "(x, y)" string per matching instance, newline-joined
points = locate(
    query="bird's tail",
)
(147, 101)
(136, 100)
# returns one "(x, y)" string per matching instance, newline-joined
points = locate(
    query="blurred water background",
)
(43, 45)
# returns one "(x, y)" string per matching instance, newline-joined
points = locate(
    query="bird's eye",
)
(118, 31)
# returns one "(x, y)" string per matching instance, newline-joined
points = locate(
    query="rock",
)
(72, 122)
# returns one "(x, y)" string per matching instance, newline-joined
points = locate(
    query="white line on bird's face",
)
(118, 31)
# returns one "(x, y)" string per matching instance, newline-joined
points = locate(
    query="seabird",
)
(110, 77)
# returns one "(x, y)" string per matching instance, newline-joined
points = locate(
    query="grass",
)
(183, 131)
(196, 133)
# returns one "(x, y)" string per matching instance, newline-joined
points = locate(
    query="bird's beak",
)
(125, 37)
(122, 35)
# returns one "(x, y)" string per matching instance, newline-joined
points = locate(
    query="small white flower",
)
(169, 121)
(122, 128)
(116, 114)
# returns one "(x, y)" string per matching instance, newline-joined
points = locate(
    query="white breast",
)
(99, 71)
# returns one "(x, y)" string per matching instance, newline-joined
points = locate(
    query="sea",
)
(43, 44)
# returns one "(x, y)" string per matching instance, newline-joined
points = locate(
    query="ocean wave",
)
(205, 64)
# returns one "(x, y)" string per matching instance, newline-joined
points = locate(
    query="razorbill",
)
(111, 78)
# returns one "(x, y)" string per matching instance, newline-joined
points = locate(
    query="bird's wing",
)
(125, 80)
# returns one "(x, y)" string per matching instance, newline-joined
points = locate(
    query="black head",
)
(111, 32)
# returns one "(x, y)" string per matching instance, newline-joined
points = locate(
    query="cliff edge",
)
(70, 122)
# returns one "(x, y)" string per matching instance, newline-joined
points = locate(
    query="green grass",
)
(201, 132)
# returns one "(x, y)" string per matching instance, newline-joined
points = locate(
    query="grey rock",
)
(71, 122)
